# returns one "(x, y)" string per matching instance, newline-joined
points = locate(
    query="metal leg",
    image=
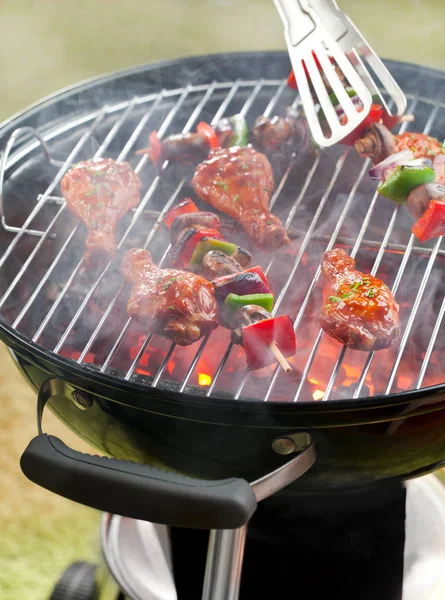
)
(224, 564)
(226, 547)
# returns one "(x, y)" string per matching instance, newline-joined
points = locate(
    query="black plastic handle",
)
(135, 490)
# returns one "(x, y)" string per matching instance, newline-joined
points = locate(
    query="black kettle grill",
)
(207, 439)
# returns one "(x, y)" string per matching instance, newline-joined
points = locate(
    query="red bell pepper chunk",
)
(259, 271)
(432, 224)
(154, 148)
(208, 133)
(258, 337)
(241, 284)
(186, 252)
(375, 116)
(185, 206)
(292, 82)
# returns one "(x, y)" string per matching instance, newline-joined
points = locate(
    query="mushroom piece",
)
(420, 197)
(193, 219)
(247, 315)
(242, 256)
(216, 264)
(377, 144)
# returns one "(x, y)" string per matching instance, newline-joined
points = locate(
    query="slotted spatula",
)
(318, 28)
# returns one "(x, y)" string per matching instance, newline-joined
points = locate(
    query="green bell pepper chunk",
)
(351, 93)
(403, 180)
(211, 244)
(234, 302)
(240, 131)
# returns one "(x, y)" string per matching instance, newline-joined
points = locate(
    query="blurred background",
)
(46, 45)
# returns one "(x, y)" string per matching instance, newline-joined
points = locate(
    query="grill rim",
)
(68, 369)
(78, 375)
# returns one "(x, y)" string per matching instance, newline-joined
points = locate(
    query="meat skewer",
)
(244, 295)
(411, 170)
(289, 134)
(177, 304)
(99, 192)
(360, 311)
(239, 182)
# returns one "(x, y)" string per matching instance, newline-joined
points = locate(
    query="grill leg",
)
(224, 564)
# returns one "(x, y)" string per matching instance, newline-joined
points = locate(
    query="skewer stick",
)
(407, 118)
(280, 358)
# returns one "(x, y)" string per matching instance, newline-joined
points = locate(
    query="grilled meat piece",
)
(377, 143)
(239, 181)
(198, 220)
(184, 147)
(360, 310)
(177, 304)
(216, 264)
(99, 192)
(269, 135)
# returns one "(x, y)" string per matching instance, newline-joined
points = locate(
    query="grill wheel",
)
(78, 582)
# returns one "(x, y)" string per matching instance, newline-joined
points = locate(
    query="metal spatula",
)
(317, 28)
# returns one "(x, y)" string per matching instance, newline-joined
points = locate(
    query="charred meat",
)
(377, 143)
(239, 182)
(360, 311)
(179, 147)
(176, 304)
(270, 135)
(99, 192)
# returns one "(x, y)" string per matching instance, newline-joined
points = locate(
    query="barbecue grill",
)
(198, 411)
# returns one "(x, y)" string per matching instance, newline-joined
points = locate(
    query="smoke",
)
(315, 202)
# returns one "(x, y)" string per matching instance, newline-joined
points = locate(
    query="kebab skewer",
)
(411, 171)
(268, 135)
(266, 339)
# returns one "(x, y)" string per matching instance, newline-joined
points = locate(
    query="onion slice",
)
(438, 160)
(394, 160)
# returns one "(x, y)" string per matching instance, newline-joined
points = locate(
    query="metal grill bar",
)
(4, 159)
(55, 182)
(136, 215)
(412, 316)
(431, 345)
(377, 261)
(189, 124)
(399, 275)
(121, 336)
(244, 111)
(105, 270)
(113, 132)
(303, 247)
(124, 330)
(374, 269)
(306, 184)
(316, 277)
(179, 96)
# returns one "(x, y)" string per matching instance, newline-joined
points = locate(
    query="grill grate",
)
(341, 180)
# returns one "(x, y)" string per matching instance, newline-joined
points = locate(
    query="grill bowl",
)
(228, 433)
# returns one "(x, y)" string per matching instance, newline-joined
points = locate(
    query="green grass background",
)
(48, 44)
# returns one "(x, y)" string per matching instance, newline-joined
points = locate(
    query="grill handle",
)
(135, 490)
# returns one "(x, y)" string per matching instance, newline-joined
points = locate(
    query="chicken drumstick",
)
(239, 182)
(177, 304)
(360, 311)
(99, 192)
